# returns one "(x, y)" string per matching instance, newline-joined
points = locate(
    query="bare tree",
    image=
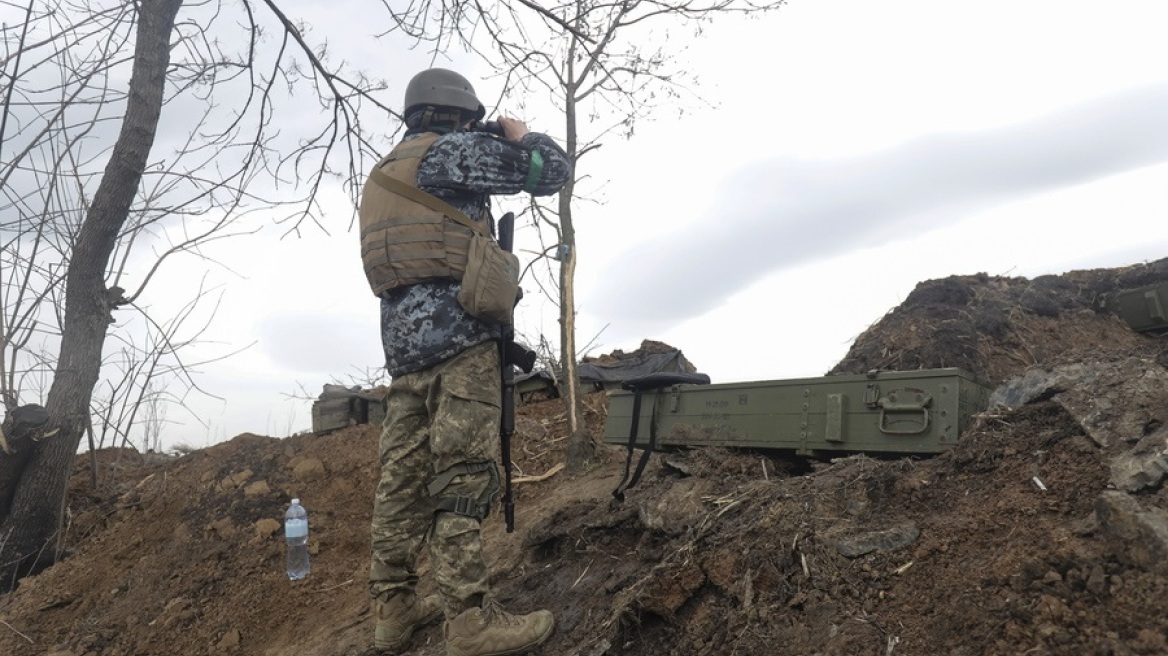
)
(147, 372)
(606, 64)
(100, 189)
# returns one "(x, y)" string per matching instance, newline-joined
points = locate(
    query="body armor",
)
(402, 241)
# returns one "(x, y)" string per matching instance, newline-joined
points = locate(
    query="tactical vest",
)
(402, 241)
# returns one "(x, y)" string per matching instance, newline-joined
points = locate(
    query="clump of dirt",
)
(647, 348)
(1043, 531)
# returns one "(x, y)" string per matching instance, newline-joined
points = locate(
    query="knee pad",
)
(477, 507)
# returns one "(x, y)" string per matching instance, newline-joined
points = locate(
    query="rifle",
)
(511, 355)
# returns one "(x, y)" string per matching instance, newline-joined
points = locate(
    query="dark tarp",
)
(609, 372)
(635, 366)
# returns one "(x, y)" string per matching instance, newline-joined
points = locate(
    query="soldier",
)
(440, 440)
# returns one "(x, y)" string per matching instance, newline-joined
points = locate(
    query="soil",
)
(1023, 539)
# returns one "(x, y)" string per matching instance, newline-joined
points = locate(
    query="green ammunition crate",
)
(332, 414)
(905, 412)
(376, 415)
(1144, 308)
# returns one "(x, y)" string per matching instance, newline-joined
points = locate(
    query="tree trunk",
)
(568, 313)
(30, 530)
(580, 446)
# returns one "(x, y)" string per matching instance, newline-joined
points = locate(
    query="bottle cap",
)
(297, 500)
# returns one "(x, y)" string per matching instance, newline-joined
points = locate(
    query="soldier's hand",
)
(513, 129)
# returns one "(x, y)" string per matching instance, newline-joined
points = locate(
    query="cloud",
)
(782, 213)
(323, 345)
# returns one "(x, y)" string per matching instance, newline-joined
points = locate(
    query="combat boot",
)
(398, 618)
(492, 631)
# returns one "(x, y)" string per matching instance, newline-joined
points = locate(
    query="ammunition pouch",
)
(490, 283)
(478, 508)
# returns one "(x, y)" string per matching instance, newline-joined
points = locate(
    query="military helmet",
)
(443, 88)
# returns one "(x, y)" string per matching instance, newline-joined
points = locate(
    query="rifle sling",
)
(654, 382)
(619, 492)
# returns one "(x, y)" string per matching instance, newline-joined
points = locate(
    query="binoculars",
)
(490, 127)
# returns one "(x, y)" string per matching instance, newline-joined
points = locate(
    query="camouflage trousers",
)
(440, 440)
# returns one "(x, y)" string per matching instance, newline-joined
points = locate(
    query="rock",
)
(178, 611)
(224, 528)
(1114, 402)
(257, 489)
(1151, 641)
(1097, 581)
(1144, 466)
(235, 480)
(1037, 384)
(1139, 536)
(230, 641)
(853, 545)
(308, 469)
(267, 527)
(1120, 400)
(1086, 525)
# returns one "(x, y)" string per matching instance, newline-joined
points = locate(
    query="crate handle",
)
(1152, 299)
(894, 403)
(924, 425)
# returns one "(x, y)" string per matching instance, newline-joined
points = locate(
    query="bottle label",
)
(296, 528)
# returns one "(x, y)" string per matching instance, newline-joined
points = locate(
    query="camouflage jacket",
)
(423, 324)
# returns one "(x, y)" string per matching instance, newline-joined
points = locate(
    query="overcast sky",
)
(779, 213)
(856, 149)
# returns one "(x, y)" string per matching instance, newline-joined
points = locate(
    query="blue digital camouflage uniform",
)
(440, 440)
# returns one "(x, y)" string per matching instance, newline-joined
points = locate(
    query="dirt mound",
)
(997, 327)
(1045, 531)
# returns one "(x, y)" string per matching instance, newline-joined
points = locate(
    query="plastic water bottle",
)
(296, 533)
